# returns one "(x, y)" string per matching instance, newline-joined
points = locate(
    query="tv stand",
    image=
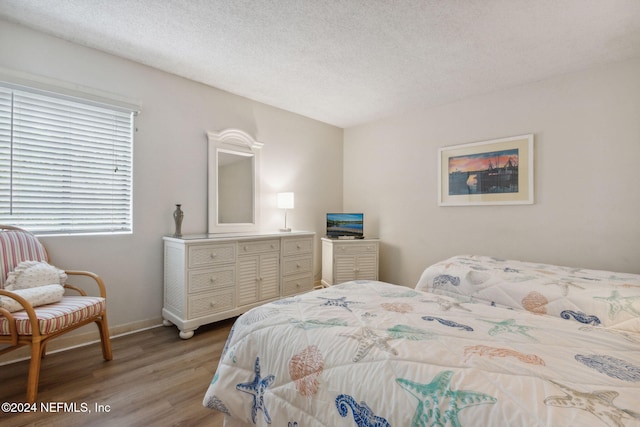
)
(351, 259)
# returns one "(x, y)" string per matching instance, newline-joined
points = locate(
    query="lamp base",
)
(285, 229)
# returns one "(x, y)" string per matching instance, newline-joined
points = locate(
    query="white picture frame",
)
(494, 172)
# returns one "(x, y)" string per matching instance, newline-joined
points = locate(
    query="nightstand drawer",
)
(258, 246)
(211, 303)
(355, 248)
(208, 280)
(297, 246)
(297, 284)
(297, 265)
(206, 255)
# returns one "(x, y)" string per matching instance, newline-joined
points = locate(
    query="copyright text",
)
(53, 407)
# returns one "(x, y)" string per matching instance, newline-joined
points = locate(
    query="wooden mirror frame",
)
(231, 141)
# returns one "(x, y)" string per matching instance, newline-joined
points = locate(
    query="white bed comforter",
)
(374, 354)
(595, 297)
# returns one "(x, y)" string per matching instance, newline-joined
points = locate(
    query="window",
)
(65, 163)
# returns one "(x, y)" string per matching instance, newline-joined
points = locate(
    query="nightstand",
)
(344, 260)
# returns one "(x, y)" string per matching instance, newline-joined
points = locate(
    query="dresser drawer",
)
(355, 248)
(297, 265)
(208, 280)
(211, 303)
(297, 246)
(297, 284)
(257, 246)
(206, 255)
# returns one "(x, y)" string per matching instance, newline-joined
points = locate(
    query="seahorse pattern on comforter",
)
(594, 297)
(370, 353)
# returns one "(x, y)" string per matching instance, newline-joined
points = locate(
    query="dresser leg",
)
(185, 335)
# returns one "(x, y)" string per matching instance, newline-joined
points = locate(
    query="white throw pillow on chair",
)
(40, 295)
(31, 274)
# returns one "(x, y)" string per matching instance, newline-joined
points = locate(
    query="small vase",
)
(178, 215)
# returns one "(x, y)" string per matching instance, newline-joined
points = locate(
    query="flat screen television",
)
(345, 225)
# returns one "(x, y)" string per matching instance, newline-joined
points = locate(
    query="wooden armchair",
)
(35, 326)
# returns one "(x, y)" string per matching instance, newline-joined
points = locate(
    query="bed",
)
(478, 342)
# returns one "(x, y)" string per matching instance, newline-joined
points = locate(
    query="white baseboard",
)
(84, 336)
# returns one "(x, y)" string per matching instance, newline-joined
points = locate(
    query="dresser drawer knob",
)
(212, 279)
(212, 255)
(212, 304)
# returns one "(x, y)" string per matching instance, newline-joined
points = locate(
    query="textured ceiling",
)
(347, 62)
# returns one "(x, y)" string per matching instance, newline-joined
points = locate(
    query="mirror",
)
(233, 184)
(235, 188)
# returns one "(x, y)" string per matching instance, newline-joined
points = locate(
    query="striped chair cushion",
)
(17, 246)
(53, 317)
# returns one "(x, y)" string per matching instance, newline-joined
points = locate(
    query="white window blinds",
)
(65, 164)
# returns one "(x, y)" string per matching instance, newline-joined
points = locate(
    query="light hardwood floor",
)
(155, 378)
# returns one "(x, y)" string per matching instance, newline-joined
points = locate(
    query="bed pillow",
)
(31, 274)
(36, 296)
(591, 297)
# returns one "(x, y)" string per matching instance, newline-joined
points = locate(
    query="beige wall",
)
(587, 186)
(170, 164)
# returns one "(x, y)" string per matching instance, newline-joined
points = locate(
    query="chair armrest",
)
(28, 308)
(95, 277)
(13, 331)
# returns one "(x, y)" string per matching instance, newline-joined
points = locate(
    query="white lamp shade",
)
(285, 200)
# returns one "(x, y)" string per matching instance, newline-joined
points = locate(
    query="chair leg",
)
(103, 327)
(34, 371)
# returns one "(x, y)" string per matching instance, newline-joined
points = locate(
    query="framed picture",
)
(496, 172)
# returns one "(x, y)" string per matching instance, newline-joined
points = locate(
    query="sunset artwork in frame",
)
(495, 172)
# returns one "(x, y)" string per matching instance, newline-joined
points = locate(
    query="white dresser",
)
(344, 260)
(212, 277)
